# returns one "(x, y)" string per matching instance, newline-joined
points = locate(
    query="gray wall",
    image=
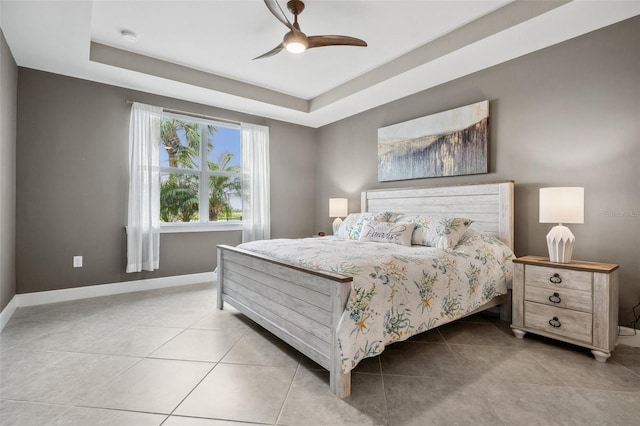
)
(8, 90)
(568, 115)
(72, 184)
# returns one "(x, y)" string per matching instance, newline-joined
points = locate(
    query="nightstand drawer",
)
(560, 297)
(562, 322)
(558, 278)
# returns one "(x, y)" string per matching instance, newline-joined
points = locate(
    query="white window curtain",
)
(143, 218)
(256, 216)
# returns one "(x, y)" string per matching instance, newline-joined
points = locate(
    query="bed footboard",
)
(299, 305)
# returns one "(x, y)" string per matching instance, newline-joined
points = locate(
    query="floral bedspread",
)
(399, 291)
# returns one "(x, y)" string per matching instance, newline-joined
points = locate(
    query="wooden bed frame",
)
(303, 306)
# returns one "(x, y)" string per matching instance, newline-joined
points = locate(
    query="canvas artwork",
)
(449, 143)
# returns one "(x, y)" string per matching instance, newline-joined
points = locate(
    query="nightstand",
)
(575, 302)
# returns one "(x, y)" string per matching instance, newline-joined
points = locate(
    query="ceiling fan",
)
(295, 41)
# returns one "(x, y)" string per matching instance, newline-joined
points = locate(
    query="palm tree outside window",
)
(200, 171)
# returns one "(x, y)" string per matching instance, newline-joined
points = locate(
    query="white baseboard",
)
(8, 312)
(75, 293)
(629, 336)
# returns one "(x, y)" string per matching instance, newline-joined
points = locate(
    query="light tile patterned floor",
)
(168, 357)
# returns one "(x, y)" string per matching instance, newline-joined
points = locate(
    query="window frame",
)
(203, 224)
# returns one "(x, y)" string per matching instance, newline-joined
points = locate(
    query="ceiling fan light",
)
(295, 47)
(295, 42)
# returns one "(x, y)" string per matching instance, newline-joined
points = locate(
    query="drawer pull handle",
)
(555, 278)
(554, 322)
(555, 298)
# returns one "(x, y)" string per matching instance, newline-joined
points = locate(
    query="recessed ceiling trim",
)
(54, 36)
(145, 64)
(499, 20)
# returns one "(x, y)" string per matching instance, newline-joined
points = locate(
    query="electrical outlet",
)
(77, 261)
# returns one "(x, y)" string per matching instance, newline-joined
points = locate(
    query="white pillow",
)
(437, 231)
(385, 232)
(351, 227)
(352, 224)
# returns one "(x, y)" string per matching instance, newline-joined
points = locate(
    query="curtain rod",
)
(196, 115)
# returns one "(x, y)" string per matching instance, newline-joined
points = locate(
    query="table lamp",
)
(337, 209)
(561, 205)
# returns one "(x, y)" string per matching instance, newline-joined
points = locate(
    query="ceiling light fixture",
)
(295, 42)
(129, 36)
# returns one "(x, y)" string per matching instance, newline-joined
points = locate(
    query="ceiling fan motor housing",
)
(295, 6)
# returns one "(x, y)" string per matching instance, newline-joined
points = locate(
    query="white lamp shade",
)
(338, 207)
(562, 205)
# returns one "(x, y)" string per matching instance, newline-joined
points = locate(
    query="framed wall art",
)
(449, 143)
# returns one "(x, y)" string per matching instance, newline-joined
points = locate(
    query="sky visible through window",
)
(225, 139)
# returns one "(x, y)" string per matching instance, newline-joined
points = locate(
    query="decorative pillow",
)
(347, 224)
(419, 220)
(386, 216)
(352, 224)
(437, 231)
(351, 227)
(387, 232)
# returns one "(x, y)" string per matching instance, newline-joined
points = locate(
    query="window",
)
(200, 171)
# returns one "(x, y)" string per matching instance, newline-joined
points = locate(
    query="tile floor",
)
(168, 357)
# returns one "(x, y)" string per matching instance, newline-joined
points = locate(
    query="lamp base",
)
(336, 225)
(560, 244)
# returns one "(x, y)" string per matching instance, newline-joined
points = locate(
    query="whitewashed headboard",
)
(489, 205)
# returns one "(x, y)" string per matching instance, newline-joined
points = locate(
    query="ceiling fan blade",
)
(272, 52)
(334, 40)
(277, 11)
